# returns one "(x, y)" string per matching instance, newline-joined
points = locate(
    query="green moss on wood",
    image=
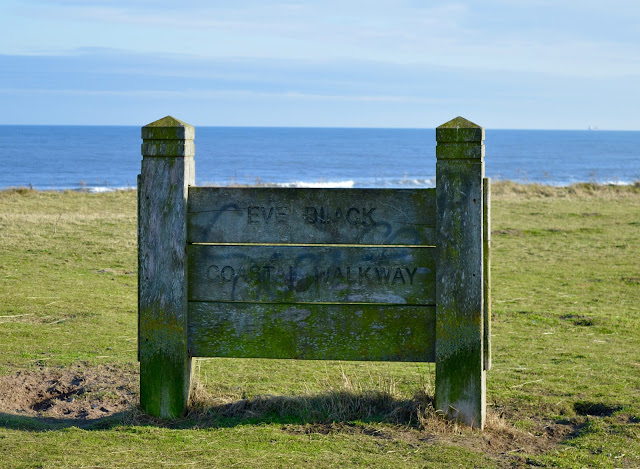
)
(459, 279)
(466, 150)
(459, 130)
(164, 365)
(460, 386)
(168, 128)
(177, 148)
(164, 384)
(326, 332)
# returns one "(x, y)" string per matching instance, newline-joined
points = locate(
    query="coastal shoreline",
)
(499, 188)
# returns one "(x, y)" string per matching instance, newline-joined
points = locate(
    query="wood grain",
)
(487, 273)
(162, 261)
(320, 274)
(460, 375)
(316, 332)
(311, 216)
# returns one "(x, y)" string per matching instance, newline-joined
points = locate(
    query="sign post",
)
(460, 374)
(167, 172)
(322, 274)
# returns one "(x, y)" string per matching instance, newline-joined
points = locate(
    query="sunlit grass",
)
(564, 390)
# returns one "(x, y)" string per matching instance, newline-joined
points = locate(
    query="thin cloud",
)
(223, 94)
(494, 35)
(513, 59)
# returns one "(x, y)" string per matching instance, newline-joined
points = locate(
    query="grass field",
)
(564, 390)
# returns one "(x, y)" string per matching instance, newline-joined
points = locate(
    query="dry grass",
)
(509, 190)
(351, 399)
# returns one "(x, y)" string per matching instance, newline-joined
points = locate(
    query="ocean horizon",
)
(102, 158)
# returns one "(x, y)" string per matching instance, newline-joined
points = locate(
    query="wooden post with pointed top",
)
(167, 172)
(460, 367)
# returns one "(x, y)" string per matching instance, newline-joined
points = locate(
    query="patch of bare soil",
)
(76, 392)
(500, 441)
(504, 442)
(83, 393)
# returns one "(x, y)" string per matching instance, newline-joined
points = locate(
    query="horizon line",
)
(587, 129)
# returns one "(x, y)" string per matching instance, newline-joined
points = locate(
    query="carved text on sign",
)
(260, 214)
(355, 216)
(267, 274)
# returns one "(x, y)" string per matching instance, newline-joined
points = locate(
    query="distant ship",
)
(593, 127)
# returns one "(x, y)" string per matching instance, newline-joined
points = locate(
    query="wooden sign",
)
(312, 216)
(318, 274)
(342, 274)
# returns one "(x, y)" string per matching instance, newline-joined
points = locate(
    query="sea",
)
(105, 158)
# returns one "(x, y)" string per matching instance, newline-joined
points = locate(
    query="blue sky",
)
(389, 63)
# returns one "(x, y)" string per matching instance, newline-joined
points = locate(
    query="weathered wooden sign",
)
(312, 216)
(344, 274)
(321, 274)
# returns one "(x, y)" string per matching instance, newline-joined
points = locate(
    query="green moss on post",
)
(167, 172)
(460, 375)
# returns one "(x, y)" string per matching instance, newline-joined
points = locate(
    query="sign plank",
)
(316, 332)
(324, 274)
(311, 216)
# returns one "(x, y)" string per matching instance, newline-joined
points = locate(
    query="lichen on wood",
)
(358, 274)
(167, 171)
(460, 375)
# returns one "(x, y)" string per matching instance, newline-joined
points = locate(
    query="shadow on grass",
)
(211, 412)
(39, 424)
(340, 412)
